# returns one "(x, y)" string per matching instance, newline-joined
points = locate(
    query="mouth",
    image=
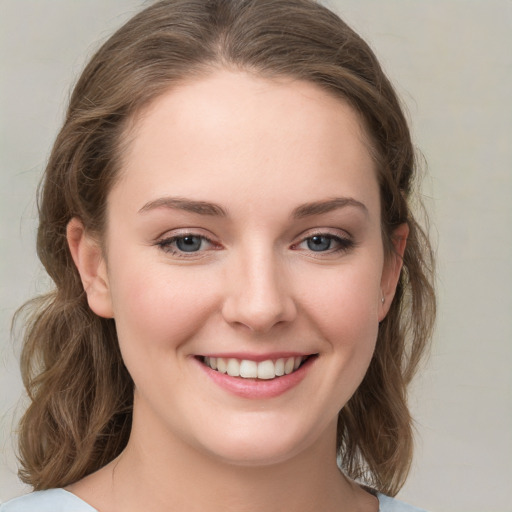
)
(268, 369)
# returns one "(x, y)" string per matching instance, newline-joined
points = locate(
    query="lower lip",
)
(258, 388)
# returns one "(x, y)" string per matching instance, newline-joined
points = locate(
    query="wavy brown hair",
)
(81, 394)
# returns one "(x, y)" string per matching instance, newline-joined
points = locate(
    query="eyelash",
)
(168, 244)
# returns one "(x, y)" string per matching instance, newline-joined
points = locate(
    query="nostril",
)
(259, 314)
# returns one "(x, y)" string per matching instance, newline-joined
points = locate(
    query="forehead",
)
(242, 136)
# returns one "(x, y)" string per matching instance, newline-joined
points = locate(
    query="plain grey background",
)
(451, 62)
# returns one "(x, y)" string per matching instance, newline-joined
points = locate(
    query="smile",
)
(249, 369)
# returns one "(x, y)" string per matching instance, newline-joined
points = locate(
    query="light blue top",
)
(52, 500)
(59, 500)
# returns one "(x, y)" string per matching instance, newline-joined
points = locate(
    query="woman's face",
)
(244, 235)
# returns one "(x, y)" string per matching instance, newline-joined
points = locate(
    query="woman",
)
(242, 292)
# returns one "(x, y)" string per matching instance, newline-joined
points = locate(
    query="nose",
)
(258, 294)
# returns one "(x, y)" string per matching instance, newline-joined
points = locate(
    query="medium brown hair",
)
(81, 394)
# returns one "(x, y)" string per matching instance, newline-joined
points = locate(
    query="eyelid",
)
(332, 232)
(185, 231)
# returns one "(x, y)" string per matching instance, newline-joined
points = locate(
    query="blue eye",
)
(319, 243)
(181, 245)
(190, 243)
(326, 243)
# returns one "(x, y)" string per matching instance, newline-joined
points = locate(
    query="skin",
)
(259, 149)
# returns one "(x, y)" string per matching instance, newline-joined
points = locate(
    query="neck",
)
(212, 486)
(192, 480)
(160, 473)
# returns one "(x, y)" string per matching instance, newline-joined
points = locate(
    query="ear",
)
(392, 268)
(88, 257)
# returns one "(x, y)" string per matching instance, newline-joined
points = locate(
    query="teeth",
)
(288, 365)
(248, 369)
(279, 366)
(222, 365)
(233, 368)
(266, 370)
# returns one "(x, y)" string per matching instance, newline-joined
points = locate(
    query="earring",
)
(383, 300)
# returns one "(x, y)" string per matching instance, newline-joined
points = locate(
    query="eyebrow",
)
(212, 209)
(189, 205)
(320, 207)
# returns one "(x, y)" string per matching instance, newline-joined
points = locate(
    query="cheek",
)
(344, 301)
(343, 305)
(158, 308)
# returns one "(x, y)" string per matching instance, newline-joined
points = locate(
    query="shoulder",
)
(52, 500)
(387, 504)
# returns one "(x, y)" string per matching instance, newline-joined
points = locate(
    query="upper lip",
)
(256, 357)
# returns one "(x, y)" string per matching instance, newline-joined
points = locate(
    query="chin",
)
(263, 446)
(251, 455)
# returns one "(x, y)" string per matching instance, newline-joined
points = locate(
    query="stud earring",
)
(383, 300)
